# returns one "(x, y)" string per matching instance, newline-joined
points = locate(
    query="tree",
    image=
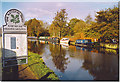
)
(60, 21)
(36, 28)
(46, 25)
(88, 19)
(53, 30)
(80, 28)
(71, 25)
(107, 24)
(91, 32)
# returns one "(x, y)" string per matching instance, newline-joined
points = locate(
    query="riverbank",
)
(93, 45)
(100, 45)
(109, 45)
(38, 67)
(34, 70)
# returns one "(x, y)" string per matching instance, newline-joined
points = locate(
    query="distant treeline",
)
(104, 27)
(37, 28)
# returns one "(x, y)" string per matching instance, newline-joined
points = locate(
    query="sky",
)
(59, 0)
(46, 10)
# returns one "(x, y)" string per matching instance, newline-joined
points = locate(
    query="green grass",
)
(38, 67)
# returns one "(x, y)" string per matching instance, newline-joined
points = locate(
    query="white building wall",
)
(21, 45)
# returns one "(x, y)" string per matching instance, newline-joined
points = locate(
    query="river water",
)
(76, 63)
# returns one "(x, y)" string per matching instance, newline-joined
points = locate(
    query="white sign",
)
(14, 21)
(14, 17)
(14, 38)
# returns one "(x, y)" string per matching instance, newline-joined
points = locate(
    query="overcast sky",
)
(46, 10)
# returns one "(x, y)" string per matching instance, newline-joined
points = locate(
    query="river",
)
(77, 63)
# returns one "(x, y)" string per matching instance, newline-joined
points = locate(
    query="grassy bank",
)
(38, 67)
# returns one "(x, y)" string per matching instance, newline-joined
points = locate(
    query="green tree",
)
(36, 28)
(71, 25)
(46, 25)
(60, 21)
(88, 19)
(80, 28)
(91, 32)
(53, 30)
(106, 25)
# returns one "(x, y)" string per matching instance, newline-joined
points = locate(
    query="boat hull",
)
(84, 45)
(66, 42)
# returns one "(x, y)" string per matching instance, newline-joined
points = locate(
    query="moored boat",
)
(65, 40)
(83, 42)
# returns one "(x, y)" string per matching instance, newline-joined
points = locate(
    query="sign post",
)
(14, 39)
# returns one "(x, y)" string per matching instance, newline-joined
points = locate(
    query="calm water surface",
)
(77, 63)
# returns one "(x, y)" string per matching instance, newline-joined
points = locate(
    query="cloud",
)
(46, 11)
(59, 4)
(36, 13)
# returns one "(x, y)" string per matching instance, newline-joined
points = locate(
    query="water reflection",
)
(65, 46)
(58, 57)
(35, 46)
(78, 63)
(101, 66)
(109, 51)
(44, 42)
(83, 49)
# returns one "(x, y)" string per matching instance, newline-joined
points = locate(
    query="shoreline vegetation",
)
(114, 46)
(102, 45)
(102, 29)
(38, 67)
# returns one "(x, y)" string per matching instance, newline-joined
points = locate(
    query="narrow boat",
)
(83, 42)
(64, 40)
